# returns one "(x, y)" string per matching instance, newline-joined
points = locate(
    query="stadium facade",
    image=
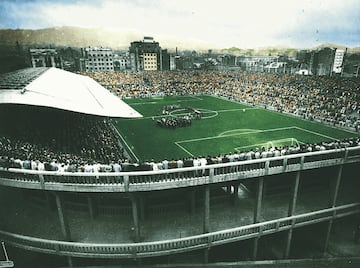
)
(143, 216)
(96, 59)
(45, 57)
(147, 55)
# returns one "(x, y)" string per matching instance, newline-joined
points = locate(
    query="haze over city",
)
(217, 24)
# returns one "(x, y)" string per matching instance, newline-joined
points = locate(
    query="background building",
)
(121, 61)
(45, 57)
(147, 55)
(96, 59)
(338, 61)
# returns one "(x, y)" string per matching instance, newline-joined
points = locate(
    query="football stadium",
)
(186, 168)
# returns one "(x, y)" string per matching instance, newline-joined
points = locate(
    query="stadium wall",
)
(136, 185)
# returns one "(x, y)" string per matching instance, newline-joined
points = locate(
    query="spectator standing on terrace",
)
(165, 164)
(116, 167)
(180, 163)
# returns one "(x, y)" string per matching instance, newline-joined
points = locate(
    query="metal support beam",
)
(206, 226)
(65, 229)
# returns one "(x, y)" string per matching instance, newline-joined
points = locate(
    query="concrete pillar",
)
(142, 207)
(228, 189)
(206, 225)
(291, 211)
(65, 229)
(49, 201)
(90, 202)
(206, 255)
(192, 201)
(255, 248)
(258, 201)
(235, 194)
(70, 261)
(135, 214)
(334, 190)
(327, 236)
(334, 187)
(257, 213)
(294, 194)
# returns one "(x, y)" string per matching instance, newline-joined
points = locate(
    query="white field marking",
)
(212, 113)
(194, 97)
(316, 133)
(182, 148)
(238, 130)
(236, 134)
(161, 99)
(286, 114)
(127, 145)
(142, 103)
(237, 109)
(268, 142)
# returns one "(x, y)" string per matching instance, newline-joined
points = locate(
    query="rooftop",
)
(56, 88)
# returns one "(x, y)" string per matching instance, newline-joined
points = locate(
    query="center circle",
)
(206, 114)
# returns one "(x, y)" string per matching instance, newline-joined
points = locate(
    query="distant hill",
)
(121, 39)
(68, 36)
(273, 51)
(82, 37)
(262, 51)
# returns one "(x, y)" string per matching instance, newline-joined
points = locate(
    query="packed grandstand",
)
(56, 140)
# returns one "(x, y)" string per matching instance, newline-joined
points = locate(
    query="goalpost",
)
(269, 144)
(282, 142)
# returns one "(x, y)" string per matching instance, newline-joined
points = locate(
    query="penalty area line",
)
(126, 144)
(236, 134)
(316, 133)
(182, 148)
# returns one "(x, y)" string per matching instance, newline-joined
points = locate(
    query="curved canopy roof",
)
(56, 88)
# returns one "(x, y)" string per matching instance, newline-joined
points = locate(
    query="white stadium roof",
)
(56, 88)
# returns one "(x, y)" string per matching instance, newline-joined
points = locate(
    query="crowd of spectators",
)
(47, 139)
(332, 100)
(56, 140)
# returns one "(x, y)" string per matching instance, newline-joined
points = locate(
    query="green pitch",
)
(225, 126)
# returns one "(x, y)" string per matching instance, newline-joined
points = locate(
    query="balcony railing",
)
(158, 248)
(177, 177)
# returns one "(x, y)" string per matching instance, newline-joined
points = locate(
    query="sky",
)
(220, 23)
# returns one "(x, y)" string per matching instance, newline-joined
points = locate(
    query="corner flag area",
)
(218, 126)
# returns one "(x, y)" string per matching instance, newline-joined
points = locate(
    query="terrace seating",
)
(17, 80)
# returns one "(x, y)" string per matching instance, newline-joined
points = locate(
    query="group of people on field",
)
(172, 121)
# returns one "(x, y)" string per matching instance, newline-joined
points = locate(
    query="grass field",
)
(226, 126)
